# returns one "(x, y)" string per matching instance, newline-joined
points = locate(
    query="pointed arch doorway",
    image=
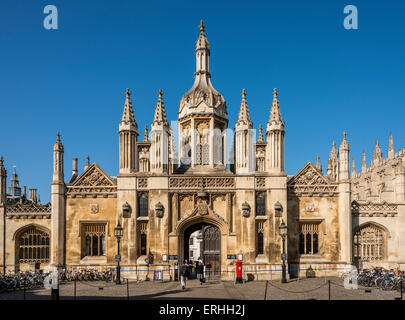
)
(209, 247)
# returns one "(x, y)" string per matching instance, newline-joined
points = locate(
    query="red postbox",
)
(239, 271)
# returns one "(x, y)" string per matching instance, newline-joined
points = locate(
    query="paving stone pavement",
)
(304, 289)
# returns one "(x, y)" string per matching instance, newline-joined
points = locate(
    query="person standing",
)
(200, 272)
(184, 273)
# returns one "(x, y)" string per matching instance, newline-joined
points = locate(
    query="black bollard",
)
(265, 291)
(75, 289)
(329, 288)
(127, 289)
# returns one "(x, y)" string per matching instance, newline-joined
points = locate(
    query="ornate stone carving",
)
(371, 209)
(93, 182)
(260, 182)
(126, 210)
(201, 182)
(159, 210)
(94, 208)
(142, 183)
(246, 209)
(32, 210)
(310, 181)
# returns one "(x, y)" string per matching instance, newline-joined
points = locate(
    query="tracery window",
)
(143, 210)
(309, 238)
(142, 227)
(260, 204)
(94, 239)
(260, 238)
(369, 243)
(34, 246)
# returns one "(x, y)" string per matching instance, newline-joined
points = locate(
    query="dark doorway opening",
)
(209, 248)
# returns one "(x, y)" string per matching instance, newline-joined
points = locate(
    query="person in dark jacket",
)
(184, 273)
(200, 272)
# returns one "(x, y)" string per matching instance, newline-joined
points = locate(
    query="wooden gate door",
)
(212, 251)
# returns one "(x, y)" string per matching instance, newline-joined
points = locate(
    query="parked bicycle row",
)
(382, 278)
(31, 280)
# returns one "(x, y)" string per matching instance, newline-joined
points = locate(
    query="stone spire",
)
(332, 171)
(202, 90)
(58, 200)
(128, 113)
(363, 162)
(275, 134)
(391, 150)
(353, 172)
(260, 137)
(58, 152)
(3, 181)
(159, 150)
(275, 120)
(128, 136)
(244, 116)
(377, 154)
(244, 149)
(318, 164)
(146, 134)
(344, 150)
(160, 112)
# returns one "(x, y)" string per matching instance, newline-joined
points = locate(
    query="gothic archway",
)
(370, 243)
(32, 246)
(209, 246)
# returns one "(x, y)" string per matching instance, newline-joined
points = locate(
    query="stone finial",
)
(128, 112)
(391, 150)
(377, 154)
(202, 41)
(87, 163)
(201, 26)
(2, 169)
(275, 114)
(344, 145)
(364, 162)
(260, 137)
(244, 115)
(146, 135)
(160, 112)
(318, 164)
(58, 146)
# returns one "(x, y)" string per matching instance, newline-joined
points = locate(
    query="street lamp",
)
(283, 233)
(118, 232)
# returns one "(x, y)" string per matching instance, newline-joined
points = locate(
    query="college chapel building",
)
(162, 195)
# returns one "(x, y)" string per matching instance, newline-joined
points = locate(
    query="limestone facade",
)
(180, 180)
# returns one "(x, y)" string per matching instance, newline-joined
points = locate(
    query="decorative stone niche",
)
(159, 210)
(278, 210)
(246, 209)
(126, 210)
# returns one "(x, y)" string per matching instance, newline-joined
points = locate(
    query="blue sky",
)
(73, 79)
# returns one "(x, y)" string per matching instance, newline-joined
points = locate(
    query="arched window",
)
(260, 204)
(260, 237)
(33, 246)
(143, 244)
(308, 238)
(260, 243)
(143, 205)
(94, 239)
(369, 243)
